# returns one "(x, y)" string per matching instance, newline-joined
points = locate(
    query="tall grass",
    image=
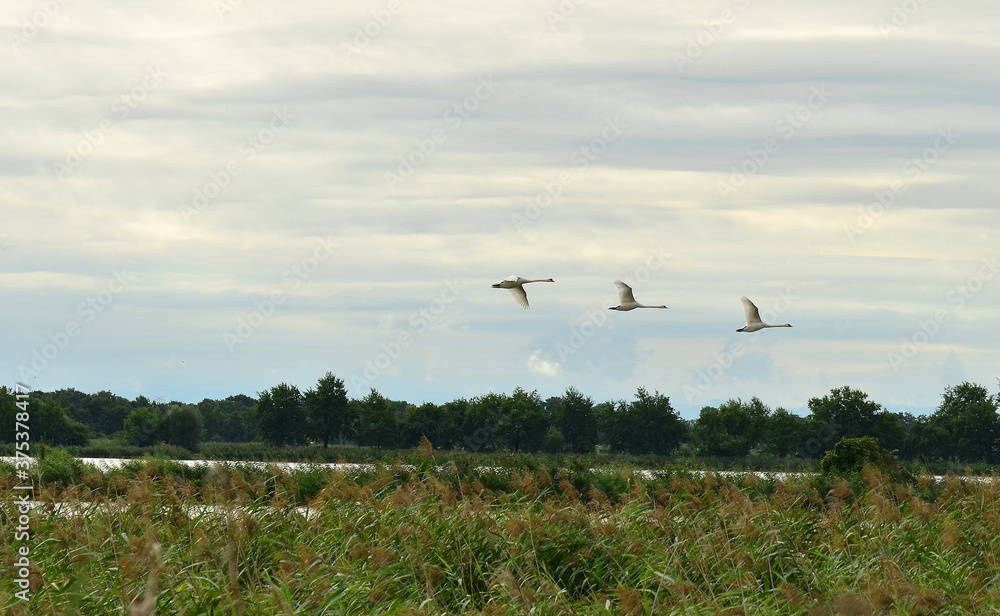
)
(443, 539)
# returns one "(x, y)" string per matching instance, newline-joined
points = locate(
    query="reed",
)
(160, 539)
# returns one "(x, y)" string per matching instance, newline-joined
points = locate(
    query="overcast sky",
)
(204, 198)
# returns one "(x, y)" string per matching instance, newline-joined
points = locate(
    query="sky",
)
(206, 198)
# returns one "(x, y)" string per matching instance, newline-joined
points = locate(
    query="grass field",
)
(443, 538)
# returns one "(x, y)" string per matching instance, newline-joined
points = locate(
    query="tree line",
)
(965, 426)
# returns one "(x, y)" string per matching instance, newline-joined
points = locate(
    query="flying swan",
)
(516, 286)
(753, 318)
(627, 300)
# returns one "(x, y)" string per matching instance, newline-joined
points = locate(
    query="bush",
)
(850, 455)
(58, 467)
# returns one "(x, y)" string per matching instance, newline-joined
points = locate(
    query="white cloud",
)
(324, 176)
(540, 366)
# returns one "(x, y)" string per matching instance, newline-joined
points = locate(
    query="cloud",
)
(540, 366)
(323, 176)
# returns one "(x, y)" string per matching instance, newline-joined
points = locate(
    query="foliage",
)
(377, 420)
(439, 423)
(732, 429)
(850, 456)
(47, 421)
(281, 418)
(231, 419)
(523, 421)
(141, 427)
(182, 426)
(785, 434)
(647, 425)
(554, 441)
(966, 424)
(850, 414)
(574, 416)
(327, 410)
(964, 430)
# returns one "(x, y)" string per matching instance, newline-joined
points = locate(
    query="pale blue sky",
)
(202, 201)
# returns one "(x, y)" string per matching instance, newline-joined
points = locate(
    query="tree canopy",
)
(964, 427)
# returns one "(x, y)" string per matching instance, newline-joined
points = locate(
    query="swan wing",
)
(520, 296)
(752, 314)
(624, 293)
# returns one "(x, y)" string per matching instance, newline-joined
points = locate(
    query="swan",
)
(753, 318)
(516, 286)
(627, 300)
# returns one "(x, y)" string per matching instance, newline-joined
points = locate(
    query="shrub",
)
(59, 468)
(850, 455)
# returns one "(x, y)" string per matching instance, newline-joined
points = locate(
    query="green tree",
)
(605, 414)
(50, 423)
(107, 412)
(554, 441)
(182, 426)
(784, 434)
(732, 429)
(965, 425)
(647, 425)
(481, 422)
(574, 416)
(8, 414)
(848, 413)
(523, 421)
(281, 418)
(75, 403)
(327, 409)
(437, 422)
(213, 418)
(47, 420)
(376, 421)
(142, 427)
(910, 447)
(240, 413)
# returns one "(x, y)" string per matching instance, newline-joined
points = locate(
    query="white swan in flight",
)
(516, 286)
(627, 300)
(753, 318)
